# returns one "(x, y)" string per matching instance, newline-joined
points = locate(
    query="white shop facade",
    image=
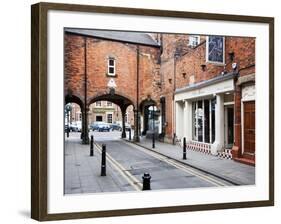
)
(204, 115)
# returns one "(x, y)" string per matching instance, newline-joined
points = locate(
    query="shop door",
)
(249, 127)
(229, 127)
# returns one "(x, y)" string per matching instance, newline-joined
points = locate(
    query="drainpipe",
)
(176, 55)
(85, 139)
(136, 110)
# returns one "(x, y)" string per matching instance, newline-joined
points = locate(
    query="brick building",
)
(212, 82)
(120, 67)
(198, 87)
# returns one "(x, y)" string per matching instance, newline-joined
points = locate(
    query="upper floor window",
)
(98, 103)
(215, 48)
(109, 104)
(111, 66)
(194, 40)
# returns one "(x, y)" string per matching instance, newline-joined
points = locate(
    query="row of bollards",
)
(146, 176)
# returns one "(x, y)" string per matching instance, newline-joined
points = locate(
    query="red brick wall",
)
(125, 55)
(155, 79)
(188, 66)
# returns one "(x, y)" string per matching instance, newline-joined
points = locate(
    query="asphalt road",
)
(125, 163)
(165, 173)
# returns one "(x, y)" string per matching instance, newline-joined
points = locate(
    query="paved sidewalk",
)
(82, 172)
(237, 173)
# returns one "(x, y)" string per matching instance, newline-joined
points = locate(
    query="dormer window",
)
(111, 66)
(194, 41)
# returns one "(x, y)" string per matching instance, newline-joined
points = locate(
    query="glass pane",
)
(207, 120)
(199, 113)
(111, 62)
(111, 70)
(215, 49)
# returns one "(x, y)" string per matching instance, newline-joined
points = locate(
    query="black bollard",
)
(146, 181)
(67, 132)
(153, 140)
(103, 160)
(174, 139)
(130, 134)
(92, 146)
(184, 148)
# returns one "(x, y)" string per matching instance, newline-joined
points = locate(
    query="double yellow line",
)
(180, 166)
(134, 182)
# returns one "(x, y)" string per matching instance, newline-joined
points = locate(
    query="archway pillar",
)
(136, 125)
(123, 111)
(85, 131)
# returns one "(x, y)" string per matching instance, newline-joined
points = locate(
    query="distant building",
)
(106, 111)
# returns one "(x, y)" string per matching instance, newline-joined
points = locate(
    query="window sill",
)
(112, 76)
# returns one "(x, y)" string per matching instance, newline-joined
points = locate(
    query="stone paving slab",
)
(235, 172)
(82, 172)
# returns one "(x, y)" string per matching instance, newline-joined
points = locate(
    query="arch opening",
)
(150, 118)
(112, 110)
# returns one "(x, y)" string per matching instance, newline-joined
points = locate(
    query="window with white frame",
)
(215, 49)
(109, 104)
(111, 66)
(98, 103)
(194, 40)
(109, 118)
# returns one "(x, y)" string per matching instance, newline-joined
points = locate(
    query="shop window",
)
(215, 49)
(207, 121)
(203, 117)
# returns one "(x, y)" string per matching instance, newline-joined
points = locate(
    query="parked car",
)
(100, 126)
(75, 126)
(115, 127)
(127, 126)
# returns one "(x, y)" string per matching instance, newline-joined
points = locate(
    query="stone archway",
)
(123, 103)
(145, 112)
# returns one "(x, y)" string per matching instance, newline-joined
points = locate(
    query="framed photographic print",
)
(138, 111)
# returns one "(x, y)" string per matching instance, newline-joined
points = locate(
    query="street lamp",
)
(153, 127)
(68, 108)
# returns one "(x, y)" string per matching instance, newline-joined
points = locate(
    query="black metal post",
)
(174, 139)
(184, 148)
(153, 127)
(92, 146)
(130, 134)
(103, 160)
(146, 181)
(68, 128)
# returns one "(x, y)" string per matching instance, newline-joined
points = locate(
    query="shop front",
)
(205, 115)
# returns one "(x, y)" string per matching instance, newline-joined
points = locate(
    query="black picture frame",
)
(39, 106)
